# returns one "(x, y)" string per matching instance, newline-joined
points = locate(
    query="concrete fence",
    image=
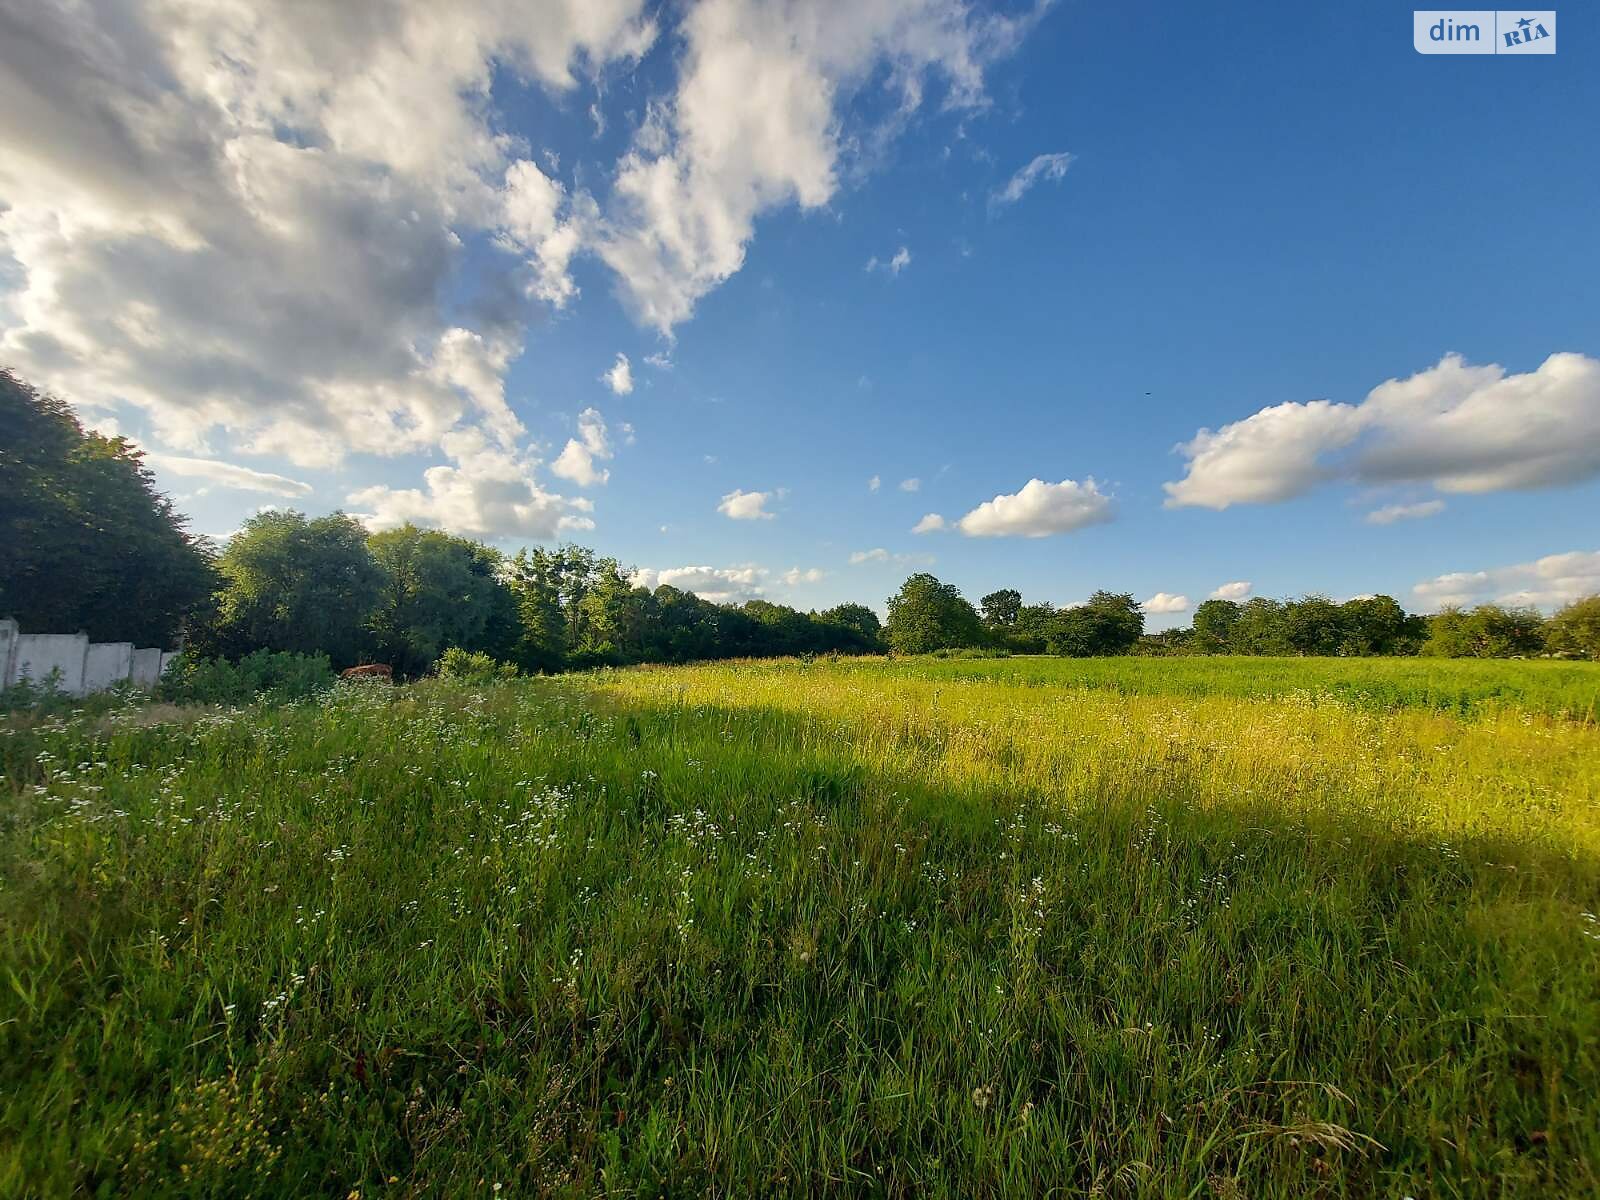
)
(78, 665)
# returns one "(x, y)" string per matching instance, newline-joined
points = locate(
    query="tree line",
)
(92, 545)
(928, 616)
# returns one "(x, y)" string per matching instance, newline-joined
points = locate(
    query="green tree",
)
(438, 592)
(1487, 631)
(927, 615)
(1110, 623)
(1000, 609)
(549, 587)
(290, 583)
(1575, 630)
(1031, 633)
(1313, 625)
(1261, 628)
(859, 620)
(1378, 625)
(89, 543)
(1214, 624)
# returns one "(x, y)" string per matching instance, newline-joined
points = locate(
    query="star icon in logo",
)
(1525, 22)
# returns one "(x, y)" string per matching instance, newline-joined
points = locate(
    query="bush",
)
(274, 676)
(473, 666)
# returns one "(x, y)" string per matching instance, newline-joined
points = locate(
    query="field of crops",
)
(1241, 928)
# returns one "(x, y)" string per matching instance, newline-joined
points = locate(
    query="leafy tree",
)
(926, 615)
(859, 620)
(1031, 633)
(1000, 609)
(1110, 623)
(1575, 630)
(439, 592)
(1215, 622)
(1261, 628)
(1313, 625)
(89, 543)
(289, 583)
(1487, 631)
(549, 587)
(1378, 625)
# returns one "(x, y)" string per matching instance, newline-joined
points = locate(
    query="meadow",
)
(1117, 928)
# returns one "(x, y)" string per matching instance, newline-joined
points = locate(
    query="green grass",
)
(1462, 685)
(913, 928)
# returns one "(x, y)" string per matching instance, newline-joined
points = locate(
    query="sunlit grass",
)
(868, 928)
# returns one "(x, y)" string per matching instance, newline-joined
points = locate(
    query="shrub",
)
(473, 666)
(274, 676)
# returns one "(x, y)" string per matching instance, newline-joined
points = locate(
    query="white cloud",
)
(930, 523)
(740, 505)
(1166, 602)
(911, 485)
(874, 483)
(1390, 513)
(1457, 427)
(759, 120)
(229, 475)
(242, 218)
(661, 360)
(794, 576)
(1239, 589)
(891, 266)
(1044, 166)
(490, 492)
(879, 555)
(1039, 509)
(620, 376)
(1545, 583)
(577, 459)
(720, 585)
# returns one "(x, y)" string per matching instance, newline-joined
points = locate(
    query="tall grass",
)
(757, 929)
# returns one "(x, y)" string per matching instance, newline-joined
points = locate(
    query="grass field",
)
(1018, 927)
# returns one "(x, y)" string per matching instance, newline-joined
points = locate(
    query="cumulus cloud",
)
(720, 585)
(740, 505)
(758, 120)
(1239, 589)
(229, 475)
(911, 485)
(1166, 602)
(1390, 513)
(1044, 166)
(1039, 509)
(874, 483)
(619, 378)
(1545, 583)
(243, 218)
(593, 444)
(892, 266)
(930, 523)
(489, 492)
(1455, 426)
(251, 221)
(794, 576)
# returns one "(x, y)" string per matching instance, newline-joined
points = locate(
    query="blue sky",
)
(1271, 207)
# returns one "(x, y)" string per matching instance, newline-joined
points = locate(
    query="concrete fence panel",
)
(8, 651)
(146, 667)
(39, 655)
(106, 665)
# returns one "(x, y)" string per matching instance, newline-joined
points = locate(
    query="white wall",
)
(146, 671)
(8, 648)
(106, 664)
(85, 666)
(39, 654)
